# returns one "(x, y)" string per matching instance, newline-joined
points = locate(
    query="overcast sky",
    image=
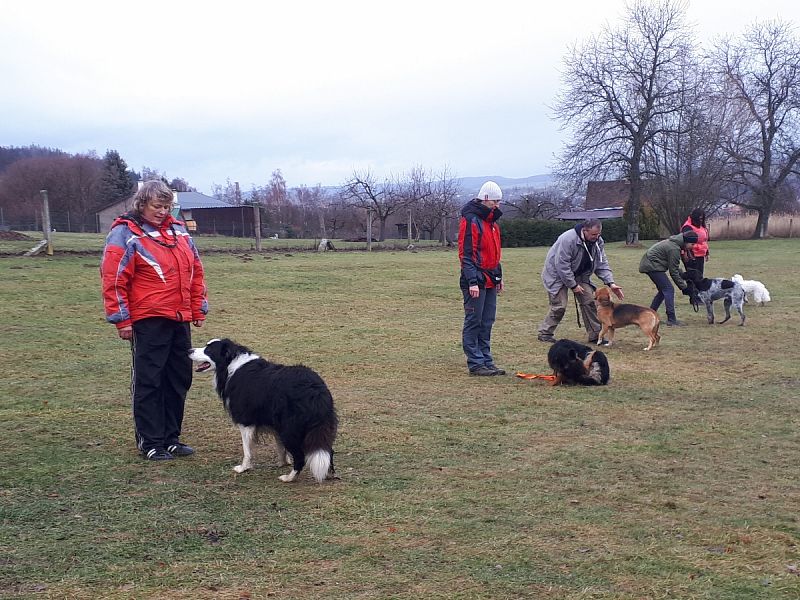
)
(215, 90)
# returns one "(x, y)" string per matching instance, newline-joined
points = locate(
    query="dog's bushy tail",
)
(319, 463)
(319, 449)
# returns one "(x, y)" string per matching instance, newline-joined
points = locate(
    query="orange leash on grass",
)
(532, 376)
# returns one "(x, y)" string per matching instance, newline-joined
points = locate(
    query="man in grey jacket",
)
(570, 262)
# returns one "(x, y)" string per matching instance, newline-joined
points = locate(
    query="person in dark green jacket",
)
(665, 256)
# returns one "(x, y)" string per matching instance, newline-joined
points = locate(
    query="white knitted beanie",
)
(490, 191)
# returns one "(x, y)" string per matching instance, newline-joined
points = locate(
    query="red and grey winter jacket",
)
(151, 271)
(479, 246)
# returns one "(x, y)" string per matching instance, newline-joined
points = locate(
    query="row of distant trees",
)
(420, 198)
(427, 201)
(697, 126)
(78, 185)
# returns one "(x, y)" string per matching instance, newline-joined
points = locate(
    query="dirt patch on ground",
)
(13, 235)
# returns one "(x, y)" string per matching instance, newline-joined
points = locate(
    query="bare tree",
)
(538, 204)
(277, 197)
(383, 199)
(72, 182)
(149, 174)
(760, 74)
(179, 184)
(412, 190)
(339, 217)
(442, 202)
(81, 181)
(311, 202)
(228, 193)
(616, 86)
(685, 161)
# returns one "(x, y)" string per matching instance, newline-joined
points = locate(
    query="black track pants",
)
(161, 374)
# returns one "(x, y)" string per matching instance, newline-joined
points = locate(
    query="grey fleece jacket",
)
(565, 256)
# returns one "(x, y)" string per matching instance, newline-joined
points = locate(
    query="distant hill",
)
(471, 185)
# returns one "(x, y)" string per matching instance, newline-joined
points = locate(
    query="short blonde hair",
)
(152, 191)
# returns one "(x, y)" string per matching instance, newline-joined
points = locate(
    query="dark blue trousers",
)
(161, 374)
(479, 315)
(666, 293)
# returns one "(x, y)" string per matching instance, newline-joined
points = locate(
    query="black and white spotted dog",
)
(705, 291)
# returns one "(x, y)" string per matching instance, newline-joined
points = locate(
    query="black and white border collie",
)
(291, 402)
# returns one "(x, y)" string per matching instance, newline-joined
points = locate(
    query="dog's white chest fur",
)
(240, 360)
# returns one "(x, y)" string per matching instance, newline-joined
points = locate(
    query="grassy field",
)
(681, 479)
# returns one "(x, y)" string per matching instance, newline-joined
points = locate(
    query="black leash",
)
(694, 300)
(577, 311)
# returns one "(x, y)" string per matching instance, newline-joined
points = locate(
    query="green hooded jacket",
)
(665, 256)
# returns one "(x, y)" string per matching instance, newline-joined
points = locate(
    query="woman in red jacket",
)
(153, 287)
(699, 255)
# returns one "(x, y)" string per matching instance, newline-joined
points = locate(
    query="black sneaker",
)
(497, 370)
(180, 449)
(157, 454)
(546, 338)
(675, 323)
(602, 342)
(482, 372)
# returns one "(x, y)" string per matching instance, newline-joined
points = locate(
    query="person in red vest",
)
(153, 287)
(696, 222)
(481, 276)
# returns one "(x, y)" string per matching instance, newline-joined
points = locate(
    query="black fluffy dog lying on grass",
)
(705, 291)
(574, 363)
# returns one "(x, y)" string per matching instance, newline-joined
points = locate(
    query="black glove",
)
(686, 292)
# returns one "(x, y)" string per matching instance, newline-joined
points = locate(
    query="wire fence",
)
(59, 221)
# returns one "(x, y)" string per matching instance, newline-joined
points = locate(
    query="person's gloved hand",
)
(686, 291)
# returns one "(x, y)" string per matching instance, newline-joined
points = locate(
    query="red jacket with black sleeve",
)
(151, 271)
(479, 246)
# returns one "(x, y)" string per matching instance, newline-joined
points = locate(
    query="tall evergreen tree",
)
(116, 182)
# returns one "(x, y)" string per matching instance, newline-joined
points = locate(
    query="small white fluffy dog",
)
(758, 290)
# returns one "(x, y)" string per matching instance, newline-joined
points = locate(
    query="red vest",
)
(701, 247)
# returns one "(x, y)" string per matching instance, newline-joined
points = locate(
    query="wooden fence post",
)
(257, 225)
(409, 226)
(46, 222)
(369, 230)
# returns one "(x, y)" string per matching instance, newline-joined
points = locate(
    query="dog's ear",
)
(692, 275)
(227, 350)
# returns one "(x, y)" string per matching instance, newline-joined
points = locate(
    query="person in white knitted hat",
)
(481, 276)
